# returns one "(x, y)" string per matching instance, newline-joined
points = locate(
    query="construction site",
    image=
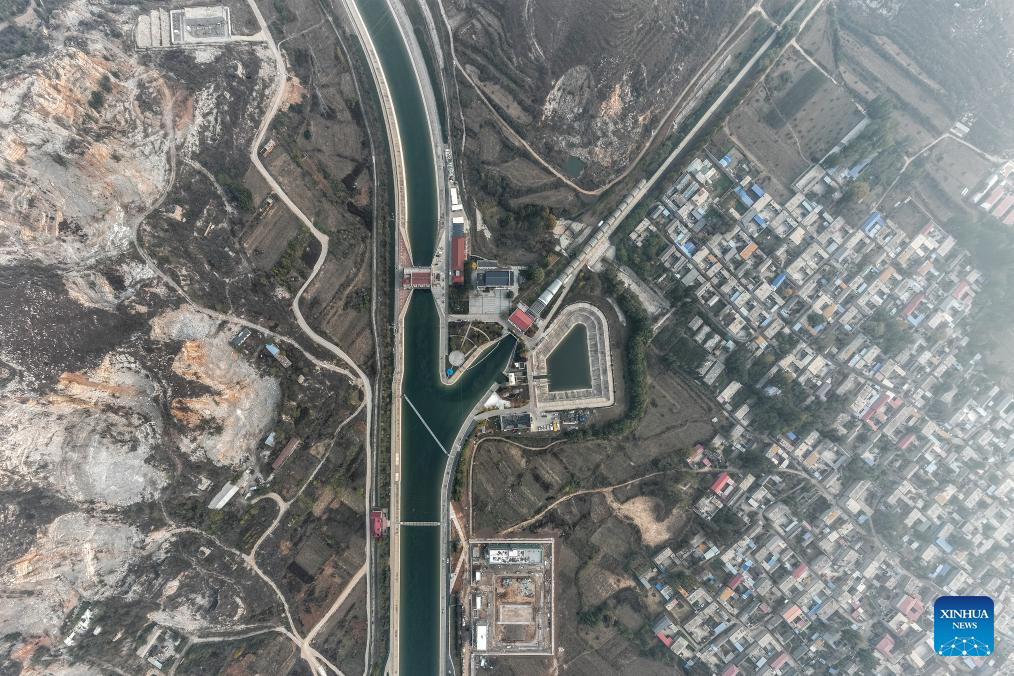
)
(510, 597)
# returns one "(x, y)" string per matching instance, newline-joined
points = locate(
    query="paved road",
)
(595, 247)
(401, 234)
(593, 254)
(445, 535)
(929, 146)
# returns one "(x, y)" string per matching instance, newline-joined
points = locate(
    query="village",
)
(839, 353)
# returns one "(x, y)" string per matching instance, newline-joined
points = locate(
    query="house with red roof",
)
(800, 571)
(723, 485)
(378, 523)
(780, 661)
(521, 320)
(458, 259)
(912, 608)
(906, 440)
(885, 645)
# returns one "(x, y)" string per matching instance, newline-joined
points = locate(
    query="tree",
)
(97, 100)
(724, 526)
(856, 470)
(866, 660)
(889, 333)
(737, 364)
(857, 192)
(852, 637)
(684, 353)
(236, 190)
(754, 460)
(881, 107)
(824, 414)
(760, 367)
(536, 274)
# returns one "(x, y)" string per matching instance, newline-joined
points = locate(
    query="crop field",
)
(511, 484)
(340, 300)
(793, 118)
(869, 72)
(954, 166)
(818, 39)
(268, 233)
(501, 179)
(602, 614)
(933, 185)
(960, 50)
(906, 214)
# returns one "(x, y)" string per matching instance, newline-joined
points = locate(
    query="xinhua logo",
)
(963, 626)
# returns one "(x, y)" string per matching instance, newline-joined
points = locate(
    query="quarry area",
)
(809, 348)
(181, 464)
(722, 327)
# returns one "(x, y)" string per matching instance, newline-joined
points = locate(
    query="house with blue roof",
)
(743, 196)
(874, 224)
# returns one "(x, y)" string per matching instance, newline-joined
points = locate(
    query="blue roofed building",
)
(743, 196)
(874, 224)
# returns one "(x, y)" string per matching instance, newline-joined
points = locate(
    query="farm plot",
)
(793, 118)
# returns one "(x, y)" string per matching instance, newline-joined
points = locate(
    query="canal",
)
(443, 408)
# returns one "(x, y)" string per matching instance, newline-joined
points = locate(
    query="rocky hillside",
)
(587, 80)
(84, 154)
(124, 409)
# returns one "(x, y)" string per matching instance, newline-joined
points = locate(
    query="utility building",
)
(223, 496)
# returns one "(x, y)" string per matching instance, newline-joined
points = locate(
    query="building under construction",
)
(510, 597)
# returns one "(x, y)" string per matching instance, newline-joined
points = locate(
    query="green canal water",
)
(443, 408)
(568, 365)
(574, 166)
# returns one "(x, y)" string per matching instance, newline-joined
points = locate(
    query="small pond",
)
(574, 166)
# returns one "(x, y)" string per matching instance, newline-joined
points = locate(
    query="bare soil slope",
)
(588, 79)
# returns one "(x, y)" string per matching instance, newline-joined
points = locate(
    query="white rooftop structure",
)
(223, 496)
(504, 554)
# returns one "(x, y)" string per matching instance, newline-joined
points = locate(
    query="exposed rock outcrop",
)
(90, 439)
(82, 157)
(80, 557)
(227, 423)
